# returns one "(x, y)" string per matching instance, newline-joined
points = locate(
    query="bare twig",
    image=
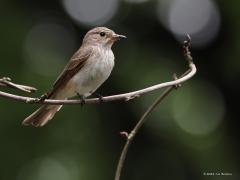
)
(129, 137)
(125, 96)
(6, 82)
(135, 131)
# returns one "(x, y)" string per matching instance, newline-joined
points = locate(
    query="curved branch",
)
(135, 130)
(125, 96)
(130, 136)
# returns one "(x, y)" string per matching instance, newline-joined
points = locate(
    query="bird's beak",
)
(118, 37)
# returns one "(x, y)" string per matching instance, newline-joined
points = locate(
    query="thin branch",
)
(6, 82)
(125, 96)
(135, 130)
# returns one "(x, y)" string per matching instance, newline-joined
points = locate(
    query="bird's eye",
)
(102, 34)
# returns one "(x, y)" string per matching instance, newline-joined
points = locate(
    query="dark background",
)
(194, 131)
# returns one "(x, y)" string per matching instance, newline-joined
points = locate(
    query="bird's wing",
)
(73, 66)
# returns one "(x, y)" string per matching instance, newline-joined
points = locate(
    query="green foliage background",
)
(195, 130)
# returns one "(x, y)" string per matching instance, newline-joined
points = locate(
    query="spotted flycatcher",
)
(88, 68)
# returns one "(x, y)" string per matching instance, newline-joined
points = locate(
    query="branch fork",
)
(191, 71)
(6, 82)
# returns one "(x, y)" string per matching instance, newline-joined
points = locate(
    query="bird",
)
(88, 68)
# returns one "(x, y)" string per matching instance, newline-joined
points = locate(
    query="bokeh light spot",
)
(198, 109)
(44, 168)
(47, 47)
(91, 12)
(200, 19)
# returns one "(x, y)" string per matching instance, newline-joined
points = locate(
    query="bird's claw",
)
(43, 97)
(100, 97)
(83, 102)
(82, 98)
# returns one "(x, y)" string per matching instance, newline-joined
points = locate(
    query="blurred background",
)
(194, 131)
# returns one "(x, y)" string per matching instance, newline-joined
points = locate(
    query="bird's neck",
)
(106, 46)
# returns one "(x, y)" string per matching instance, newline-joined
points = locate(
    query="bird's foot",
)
(43, 97)
(100, 97)
(82, 98)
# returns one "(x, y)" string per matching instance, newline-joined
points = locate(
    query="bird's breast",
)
(95, 71)
(100, 65)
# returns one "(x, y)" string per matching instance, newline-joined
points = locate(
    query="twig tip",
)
(7, 79)
(175, 78)
(188, 37)
(124, 134)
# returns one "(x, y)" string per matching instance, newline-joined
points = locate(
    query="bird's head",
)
(101, 36)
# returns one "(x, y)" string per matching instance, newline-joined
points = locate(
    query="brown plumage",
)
(45, 113)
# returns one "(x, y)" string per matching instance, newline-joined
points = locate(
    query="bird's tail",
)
(41, 116)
